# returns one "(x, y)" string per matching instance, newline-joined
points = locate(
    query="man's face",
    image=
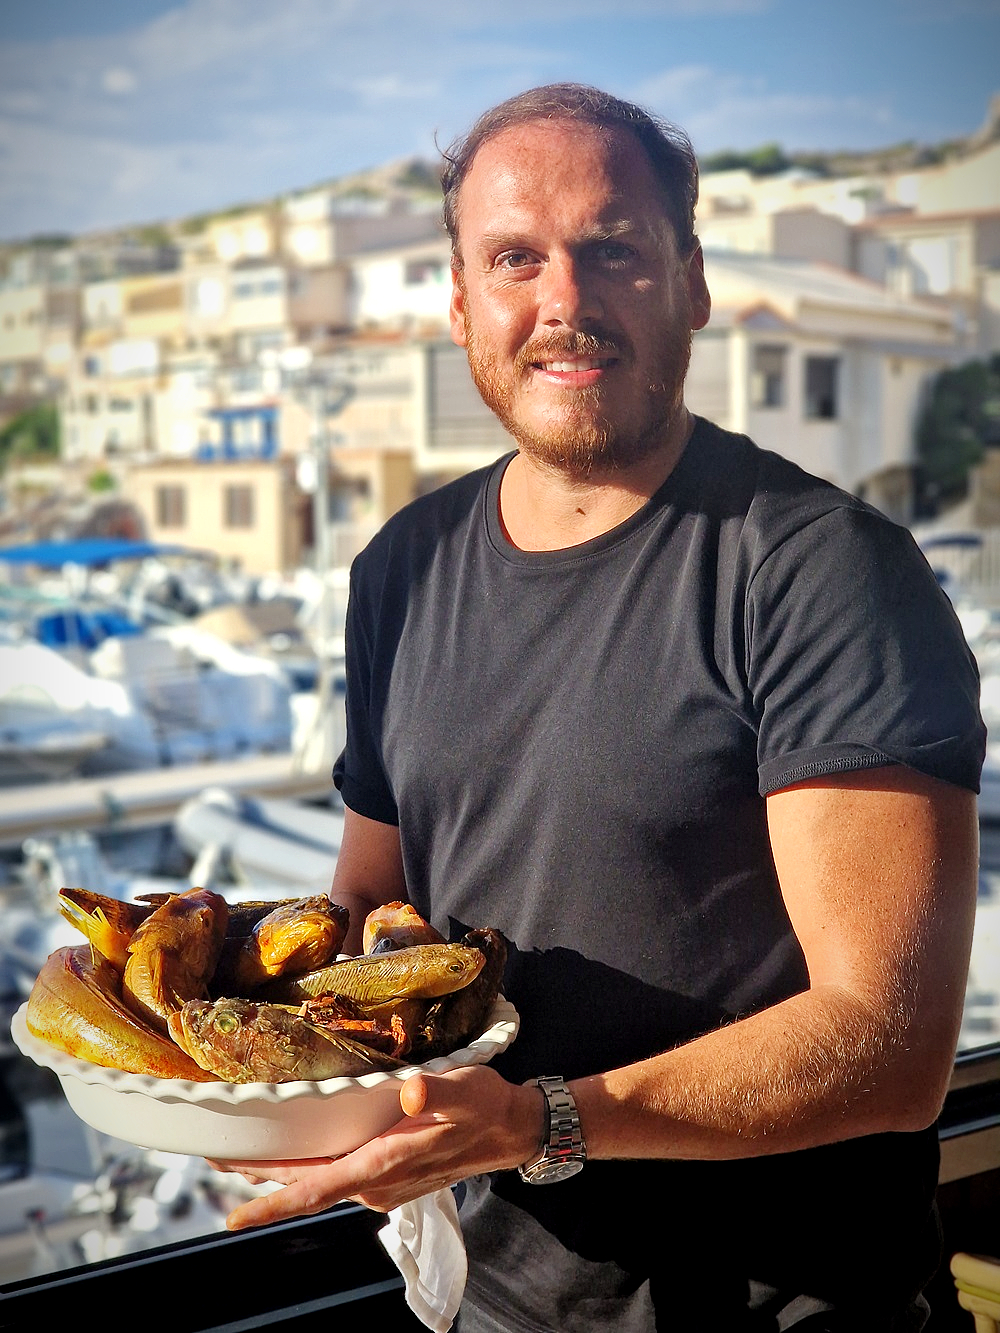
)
(570, 297)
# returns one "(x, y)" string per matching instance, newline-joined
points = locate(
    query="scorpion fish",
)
(173, 954)
(396, 926)
(243, 1041)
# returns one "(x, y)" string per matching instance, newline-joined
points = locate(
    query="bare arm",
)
(369, 871)
(878, 874)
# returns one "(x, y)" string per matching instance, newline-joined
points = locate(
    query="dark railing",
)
(328, 1272)
(331, 1271)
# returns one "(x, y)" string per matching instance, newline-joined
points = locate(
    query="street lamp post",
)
(325, 397)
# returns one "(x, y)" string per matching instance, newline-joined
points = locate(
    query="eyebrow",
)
(601, 232)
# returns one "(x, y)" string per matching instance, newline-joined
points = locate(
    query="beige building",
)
(932, 232)
(970, 183)
(249, 512)
(405, 288)
(791, 233)
(272, 305)
(153, 308)
(249, 234)
(105, 420)
(953, 257)
(319, 227)
(39, 326)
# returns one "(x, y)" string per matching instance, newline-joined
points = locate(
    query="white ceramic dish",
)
(247, 1120)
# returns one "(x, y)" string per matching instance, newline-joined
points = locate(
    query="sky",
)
(122, 112)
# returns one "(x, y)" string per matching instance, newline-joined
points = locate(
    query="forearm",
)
(819, 1067)
(811, 1070)
(369, 872)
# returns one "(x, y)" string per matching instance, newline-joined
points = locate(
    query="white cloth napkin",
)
(424, 1240)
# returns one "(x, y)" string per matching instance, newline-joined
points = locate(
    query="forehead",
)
(559, 170)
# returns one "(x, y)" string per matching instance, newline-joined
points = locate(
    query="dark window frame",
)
(171, 505)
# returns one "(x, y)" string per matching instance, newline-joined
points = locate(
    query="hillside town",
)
(203, 419)
(215, 377)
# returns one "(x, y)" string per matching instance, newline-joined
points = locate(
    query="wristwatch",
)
(563, 1151)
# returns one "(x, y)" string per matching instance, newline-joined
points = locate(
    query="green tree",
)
(959, 421)
(33, 433)
(766, 160)
(100, 480)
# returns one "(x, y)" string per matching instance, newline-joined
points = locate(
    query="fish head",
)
(304, 935)
(219, 1036)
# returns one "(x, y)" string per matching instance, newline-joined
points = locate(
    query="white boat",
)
(145, 701)
(266, 843)
(44, 750)
(203, 698)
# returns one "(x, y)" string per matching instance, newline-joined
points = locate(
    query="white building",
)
(406, 287)
(820, 365)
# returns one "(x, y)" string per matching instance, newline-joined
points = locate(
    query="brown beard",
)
(594, 443)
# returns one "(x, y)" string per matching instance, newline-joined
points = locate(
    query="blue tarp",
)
(82, 628)
(88, 551)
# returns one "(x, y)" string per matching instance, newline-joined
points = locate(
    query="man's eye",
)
(514, 259)
(613, 255)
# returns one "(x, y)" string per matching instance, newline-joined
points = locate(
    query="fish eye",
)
(456, 967)
(225, 1023)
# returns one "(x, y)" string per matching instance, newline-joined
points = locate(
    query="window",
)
(767, 376)
(418, 271)
(247, 289)
(821, 387)
(169, 296)
(171, 506)
(238, 507)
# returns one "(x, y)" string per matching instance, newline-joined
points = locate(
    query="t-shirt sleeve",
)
(855, 658)
(358, 773)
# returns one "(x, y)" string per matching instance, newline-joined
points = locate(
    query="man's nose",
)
(569, 294)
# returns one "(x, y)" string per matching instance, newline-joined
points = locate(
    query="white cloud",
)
(732, 111)
(118, 81)
(395, 88)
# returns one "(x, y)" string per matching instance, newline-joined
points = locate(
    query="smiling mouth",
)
(575, 367)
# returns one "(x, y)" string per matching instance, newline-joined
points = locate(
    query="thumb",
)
(413, 1095)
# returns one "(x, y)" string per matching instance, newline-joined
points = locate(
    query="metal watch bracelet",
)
(563, 1151)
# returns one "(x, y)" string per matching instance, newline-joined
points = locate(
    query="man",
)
(700, 735)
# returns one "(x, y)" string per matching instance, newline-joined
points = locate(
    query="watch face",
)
(547, 1173)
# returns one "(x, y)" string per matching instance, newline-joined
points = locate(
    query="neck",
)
(545, 508)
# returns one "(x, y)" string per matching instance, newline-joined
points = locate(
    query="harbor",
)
(162, 725)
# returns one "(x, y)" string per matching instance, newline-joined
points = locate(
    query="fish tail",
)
(103, 936)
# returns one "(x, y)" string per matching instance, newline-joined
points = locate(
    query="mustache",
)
(567, 345)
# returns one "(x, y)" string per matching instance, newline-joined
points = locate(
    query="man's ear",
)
(698, 293)
(456, 310)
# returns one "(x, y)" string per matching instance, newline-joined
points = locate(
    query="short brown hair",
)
(667, 146)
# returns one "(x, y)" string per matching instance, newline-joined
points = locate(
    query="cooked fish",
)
(422, 971)
(242, 1041)
(75, 1005)
(173, 954)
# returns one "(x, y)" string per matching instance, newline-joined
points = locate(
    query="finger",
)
(260, 1174)
(268, 1164)
(221, 1166)
(413, 1095)
(302, 1198)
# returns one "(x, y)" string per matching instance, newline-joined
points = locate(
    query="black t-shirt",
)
(576, 746)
